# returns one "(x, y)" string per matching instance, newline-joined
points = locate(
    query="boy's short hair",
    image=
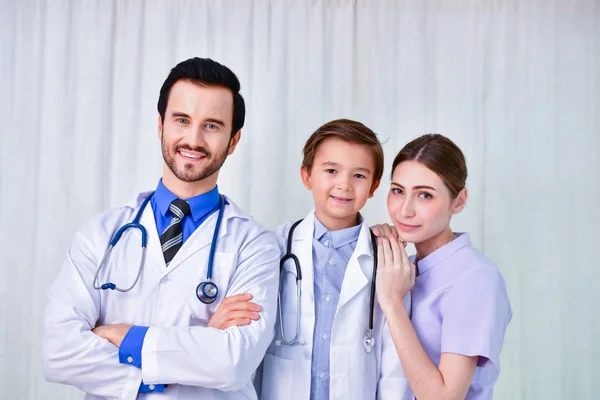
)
(349, 131)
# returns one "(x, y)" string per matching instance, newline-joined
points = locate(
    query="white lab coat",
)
(178, 350)
(354, 374)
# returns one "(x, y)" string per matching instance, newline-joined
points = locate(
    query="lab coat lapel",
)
(360, 268)
(302, 247)
(202, 237)
(153, 248)
(199, 239)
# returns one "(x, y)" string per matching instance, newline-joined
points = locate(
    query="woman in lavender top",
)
(449, 343)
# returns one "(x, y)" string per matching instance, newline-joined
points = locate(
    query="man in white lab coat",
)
(118, 329)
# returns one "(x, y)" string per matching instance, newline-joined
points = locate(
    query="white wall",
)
(515, 83)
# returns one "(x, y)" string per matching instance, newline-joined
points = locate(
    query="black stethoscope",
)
(368, 339)
(206, 291)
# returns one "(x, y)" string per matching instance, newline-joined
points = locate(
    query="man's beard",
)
(187, 174)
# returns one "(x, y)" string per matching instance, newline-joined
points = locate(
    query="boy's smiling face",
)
(341, 181)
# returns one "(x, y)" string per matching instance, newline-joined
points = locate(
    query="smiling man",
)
(121, 325)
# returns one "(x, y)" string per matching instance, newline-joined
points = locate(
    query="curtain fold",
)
(516, 84)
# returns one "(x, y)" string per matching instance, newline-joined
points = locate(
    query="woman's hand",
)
(395, 273)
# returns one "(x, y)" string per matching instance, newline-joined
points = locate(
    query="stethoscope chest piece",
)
(207, 292)
(368, 341)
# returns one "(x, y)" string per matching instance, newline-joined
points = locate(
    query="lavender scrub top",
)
(460, 305)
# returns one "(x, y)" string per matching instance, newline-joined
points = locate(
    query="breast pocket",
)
(277, 378)
(223, 268)
(288, 306)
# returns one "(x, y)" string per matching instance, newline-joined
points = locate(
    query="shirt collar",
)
(200, 205)
(340, 237)
(461, 240)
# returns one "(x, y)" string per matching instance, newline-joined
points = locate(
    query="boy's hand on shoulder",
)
(386, 231)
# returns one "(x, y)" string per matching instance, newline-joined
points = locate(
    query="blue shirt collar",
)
(200, 205)
(340, 237)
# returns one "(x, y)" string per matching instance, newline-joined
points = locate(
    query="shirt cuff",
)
(130, 351)
(151, 388)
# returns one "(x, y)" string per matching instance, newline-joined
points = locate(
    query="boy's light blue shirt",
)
(331, 252)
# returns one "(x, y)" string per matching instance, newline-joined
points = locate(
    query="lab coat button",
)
(306, 355)
(151, 387)
(129, 359)
(164, 280)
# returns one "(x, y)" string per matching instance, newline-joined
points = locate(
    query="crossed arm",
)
(236, 310)
(77, 352)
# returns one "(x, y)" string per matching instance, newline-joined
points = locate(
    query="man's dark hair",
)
(208, 73)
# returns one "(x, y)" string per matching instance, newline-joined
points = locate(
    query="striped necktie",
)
(172, 238)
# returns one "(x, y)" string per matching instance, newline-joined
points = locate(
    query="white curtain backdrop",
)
(515, 83)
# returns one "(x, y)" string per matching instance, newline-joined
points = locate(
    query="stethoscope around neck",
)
(206, 291)
(368, 340)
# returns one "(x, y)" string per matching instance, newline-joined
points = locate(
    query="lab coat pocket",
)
(223, 268)
(288, 307)
(277, 378)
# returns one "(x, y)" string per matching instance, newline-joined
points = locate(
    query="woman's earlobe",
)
(461, 201)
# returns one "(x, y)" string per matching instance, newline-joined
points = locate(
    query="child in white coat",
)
(325, 347)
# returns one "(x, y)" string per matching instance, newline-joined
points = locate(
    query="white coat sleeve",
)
(257, 379)
(393, 384)
(71, 353)
(281, 234)
(214, 358)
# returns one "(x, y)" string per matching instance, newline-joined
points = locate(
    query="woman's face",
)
(419, 202)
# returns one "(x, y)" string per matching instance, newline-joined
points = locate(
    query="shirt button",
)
(129, 359)
(151, 387)
(324, 336)
(328, 298)
(327, 243)
(322, 376)
(330, 262)
(278, 343)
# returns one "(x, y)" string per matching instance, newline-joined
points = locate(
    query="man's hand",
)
(235, 311)
(113, 333)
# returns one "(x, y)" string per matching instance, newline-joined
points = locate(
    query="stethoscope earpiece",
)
(207, 292)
